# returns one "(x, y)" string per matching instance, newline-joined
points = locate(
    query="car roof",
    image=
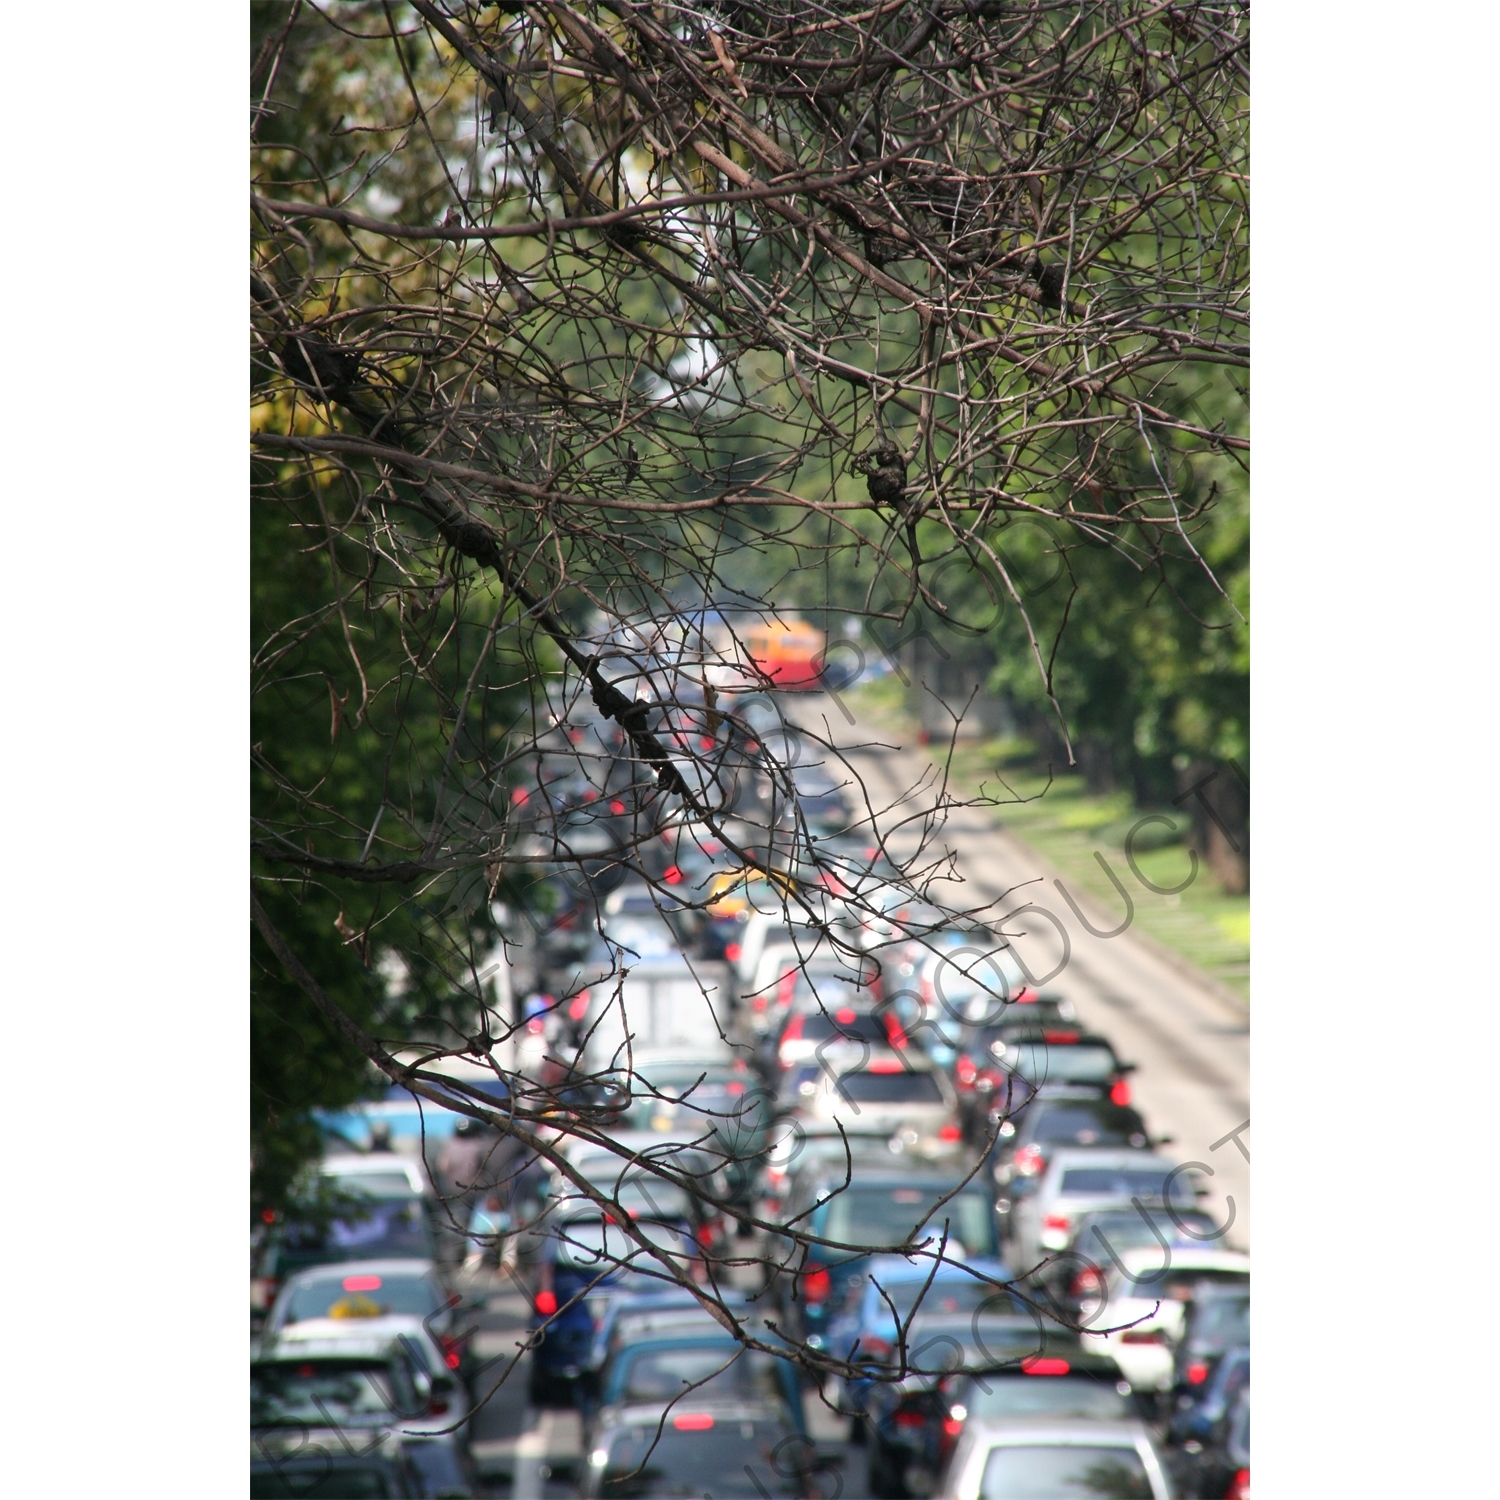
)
(642, 1414)
(1073, 1432)
(341, 1268)
(1147, 1256)
(1108, 1156)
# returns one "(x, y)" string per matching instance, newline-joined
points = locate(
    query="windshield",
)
(1041, 1062)
(730, 1460)
(886, 1216)
(948, 1294)
(339, 1296)
(325, 1479)
(1047, 1396)
(320, 1392)
(853, 1025)
(1130, 1231)
(1086, 1124)
(890, 1088)
(1058, 1473)
(594, 1246)
(1222, 1323)
(1125, 1182)
(712, 1373)
(392, 1184)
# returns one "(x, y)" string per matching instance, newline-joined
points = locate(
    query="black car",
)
(1025, 1142)
(1216, 1321)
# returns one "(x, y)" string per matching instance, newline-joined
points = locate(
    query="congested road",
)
(1188, 1039)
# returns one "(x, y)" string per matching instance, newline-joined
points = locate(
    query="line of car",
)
(1063, 1319)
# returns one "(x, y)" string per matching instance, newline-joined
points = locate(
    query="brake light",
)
(1060, 1036)
(1041, 1364)
(910, 1419)
(950, 1133)
(732, 952)
(735, 1088)
(306, 1372)
(616, 806)
(1026, 997)
(1197, 1373)
(268, 1216)
(1120, 1091)
(1239, 1486)
(844, 1016)
(520, 797)
(1086, 1283)
(706, 742)
(966, 1072)
(785, 986)
(816, 1285)
(1143, 1336)
(895, 1033)
(1059, 1222)
(1028, 1161)
(590, 794)
(673, 875)
(885, 1065)
(452, 1359)
(546, 1303)
(361, 1283)
(952, 1426)
(578, 1005)
(438, 1406)
(705, 1234)
(759, 1003)
(693, 1421)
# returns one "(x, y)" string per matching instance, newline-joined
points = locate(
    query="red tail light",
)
(1040, 1364)
(844, 1016)
(268, 1216)
(1120, 1091)
(885, 1065)
(673, 875)
(785, 987)
(1060, 1036)
(590, 794)
(895, 1033)
(616, 806)
(1239, 1486)
(1028, 1161)
(1026, 997)
(706, 742)
(759, 1003)
(732, 952)
(693, 1421)
(965, 1073)
(1196, 1373)
(1059, 1222)
(1143, 1336)
(705, 1234)
(910, 1419)
(546, 1303)
(952, 1426)
(950, 1133)
(362, 1283)
(816, 1285)
(520, 797)
(793, 1032)
(875, 1348)
(578, 1005)
(1086, 1283)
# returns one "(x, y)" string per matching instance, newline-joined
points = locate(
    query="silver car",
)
(1081, 1179)
(1021, 1459)
(902, 1095)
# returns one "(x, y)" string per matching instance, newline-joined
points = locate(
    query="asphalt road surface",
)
(1189, 1038)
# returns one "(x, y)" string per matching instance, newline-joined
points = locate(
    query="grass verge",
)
(1068, 825)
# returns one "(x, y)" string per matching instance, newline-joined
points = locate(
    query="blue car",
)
(583, 1262)
(895, 1287)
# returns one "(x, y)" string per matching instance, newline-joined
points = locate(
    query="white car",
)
(879, 1091)
(436, 1433)
(1020, 1459)
(1080, 1179)
(1139, 1319)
